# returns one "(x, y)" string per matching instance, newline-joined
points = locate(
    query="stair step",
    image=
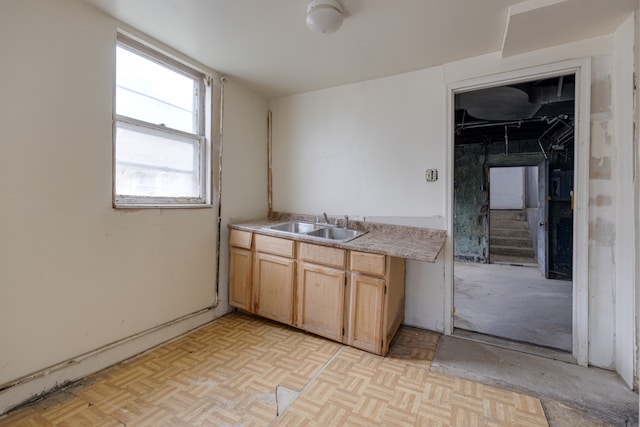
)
(518, 225)
(510, 232)
(509, 215)
(510, 238)
(511, 242)
(510, 250)
(513, 260)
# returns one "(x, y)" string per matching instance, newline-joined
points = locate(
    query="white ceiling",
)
(265, 44)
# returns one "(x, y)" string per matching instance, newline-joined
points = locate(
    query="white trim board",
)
(582, 70)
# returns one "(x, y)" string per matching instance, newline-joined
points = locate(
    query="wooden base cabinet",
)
(348, 296)
(321, 290)
(321, 300)
(240, 270)
(376, 301)
(366, 312)
(273, 278)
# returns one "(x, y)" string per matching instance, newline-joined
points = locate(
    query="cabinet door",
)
(240, 278)
(366, 312)
(320, 299)
(273, 287)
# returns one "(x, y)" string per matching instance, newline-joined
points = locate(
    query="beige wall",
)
(244, 173)
(75, 274)
(362, 149)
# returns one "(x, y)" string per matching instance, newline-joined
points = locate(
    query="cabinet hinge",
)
(342, 331)
(385, 289)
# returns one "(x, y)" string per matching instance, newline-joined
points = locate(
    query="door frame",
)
(542, 248)
(582, 70)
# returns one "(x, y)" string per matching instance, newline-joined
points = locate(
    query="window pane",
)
(153, 93)
(153, 165)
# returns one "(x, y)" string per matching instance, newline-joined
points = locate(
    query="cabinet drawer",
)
(325, 255)
(374, 264)
(274, 245)
(240, 239)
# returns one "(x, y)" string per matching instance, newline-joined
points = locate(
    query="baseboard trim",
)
(31, 386)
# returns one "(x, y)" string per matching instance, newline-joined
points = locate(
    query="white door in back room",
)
(507, 188)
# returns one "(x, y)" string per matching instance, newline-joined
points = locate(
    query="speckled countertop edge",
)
(415, 243)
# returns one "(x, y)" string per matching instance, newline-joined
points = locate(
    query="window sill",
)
(160, 206)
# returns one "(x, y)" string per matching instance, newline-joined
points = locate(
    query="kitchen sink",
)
(294, 227)
(334, 233)
(316, 231)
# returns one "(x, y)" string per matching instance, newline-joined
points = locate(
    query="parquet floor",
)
(226, 374)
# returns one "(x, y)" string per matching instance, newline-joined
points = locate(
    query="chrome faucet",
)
(346, 221)
(326, 218)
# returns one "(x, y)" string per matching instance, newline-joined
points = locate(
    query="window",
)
(160, 151)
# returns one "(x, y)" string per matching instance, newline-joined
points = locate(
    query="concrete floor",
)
(513, 302)
(517, 303)
(571, 395)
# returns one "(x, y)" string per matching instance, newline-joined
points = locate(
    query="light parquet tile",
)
(399, 390)
(131, 412)
(434, 412)
(226, 374)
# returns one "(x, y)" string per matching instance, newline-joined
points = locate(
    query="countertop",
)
(415, 243)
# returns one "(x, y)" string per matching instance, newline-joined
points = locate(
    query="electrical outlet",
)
(431, 175)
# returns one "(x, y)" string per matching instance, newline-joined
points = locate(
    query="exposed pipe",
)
(564, 135)
(519, 122)
(560, 84)
(460, 127)
(553, 123)
(542, 149)
(219, 225)
(506, 140)
(483, 124)
(269, 170)
(562, 119)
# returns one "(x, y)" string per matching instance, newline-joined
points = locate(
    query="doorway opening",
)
(513, 205)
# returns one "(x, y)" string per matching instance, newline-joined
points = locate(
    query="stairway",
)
(510, 242)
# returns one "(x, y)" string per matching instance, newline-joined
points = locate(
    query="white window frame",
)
(202, 124)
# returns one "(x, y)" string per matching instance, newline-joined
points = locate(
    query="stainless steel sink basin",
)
(316, 231)
(336, 234)
(294, 227)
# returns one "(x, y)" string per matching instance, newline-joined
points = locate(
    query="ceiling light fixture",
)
(324, 16)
